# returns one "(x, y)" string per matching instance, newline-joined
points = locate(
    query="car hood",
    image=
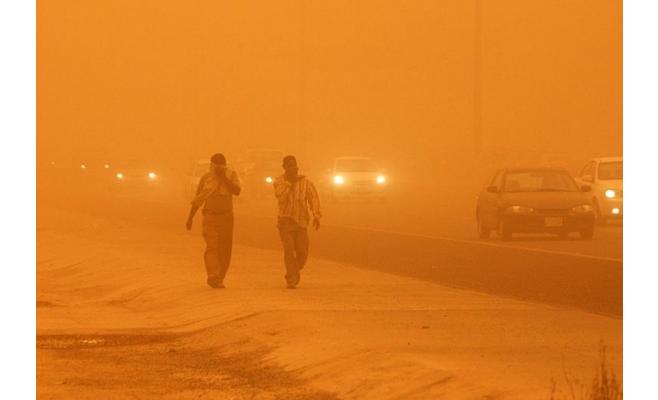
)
(545, 200)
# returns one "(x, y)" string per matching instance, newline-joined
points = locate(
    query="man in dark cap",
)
(215, 193)
(296, 195)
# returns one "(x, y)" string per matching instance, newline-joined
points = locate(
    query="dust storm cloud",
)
(393, 80)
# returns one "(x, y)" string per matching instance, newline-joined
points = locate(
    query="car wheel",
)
(587, 234)
(504, 231)
(483, 231)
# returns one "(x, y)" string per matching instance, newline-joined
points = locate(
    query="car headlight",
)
(610, 193)
(381, 179)
(519, 209)
(584, 208)
(339, 180)
(106, 166)
(82, 166)
(152, 175)
(269, 179)
(119, 175)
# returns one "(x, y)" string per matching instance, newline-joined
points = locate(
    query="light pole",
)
(477, 80)
(301, 128)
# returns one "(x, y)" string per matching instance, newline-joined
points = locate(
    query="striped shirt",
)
(295, 199)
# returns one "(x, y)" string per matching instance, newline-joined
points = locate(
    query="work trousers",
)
(295, 248)
(218, 234)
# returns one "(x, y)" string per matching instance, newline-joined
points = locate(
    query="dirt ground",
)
(123, 312)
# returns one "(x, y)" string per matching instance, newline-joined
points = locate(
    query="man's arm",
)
(232, 183)
(313, 199)
(195, 207)
(281, 188)
(202, 182)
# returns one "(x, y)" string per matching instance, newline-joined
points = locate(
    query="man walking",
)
(295, 195)
(215, 193)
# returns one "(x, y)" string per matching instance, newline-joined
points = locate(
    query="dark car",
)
(534, 200)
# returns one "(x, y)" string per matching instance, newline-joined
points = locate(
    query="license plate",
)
(553, 221)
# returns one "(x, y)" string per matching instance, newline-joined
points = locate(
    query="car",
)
(534, 200)
(606, 178)
(134, 174)
(258, 168)
(356, 177)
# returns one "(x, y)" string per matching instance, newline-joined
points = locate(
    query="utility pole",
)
(301, 128)
(477, 80)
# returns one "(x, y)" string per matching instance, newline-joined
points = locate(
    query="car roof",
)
(608, 159)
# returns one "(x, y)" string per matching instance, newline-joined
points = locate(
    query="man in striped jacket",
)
(295, 194)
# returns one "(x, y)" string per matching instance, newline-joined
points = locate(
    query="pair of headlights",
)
(583, 208)
(84, 166)
(151, 175)
(340, 180)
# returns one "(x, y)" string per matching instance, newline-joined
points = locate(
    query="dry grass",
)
(603, 386)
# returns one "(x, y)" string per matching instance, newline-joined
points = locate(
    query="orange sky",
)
(387, 78)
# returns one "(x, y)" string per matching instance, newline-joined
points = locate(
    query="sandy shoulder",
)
(347, 331)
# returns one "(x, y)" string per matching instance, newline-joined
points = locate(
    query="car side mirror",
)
(588, 178)
(492, 189)
(585, 188)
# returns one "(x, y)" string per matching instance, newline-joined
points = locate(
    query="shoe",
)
(291, 286)
(214, 284)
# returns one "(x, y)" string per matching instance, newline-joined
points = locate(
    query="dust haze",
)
(438, 95)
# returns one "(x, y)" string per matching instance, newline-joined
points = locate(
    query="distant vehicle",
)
(135, 174)
(606, 177)
(199, 169)
(534, 200)
(356, 177)
(258, 168)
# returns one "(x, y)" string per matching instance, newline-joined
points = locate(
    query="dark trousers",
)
(295, 248)
(218, 234)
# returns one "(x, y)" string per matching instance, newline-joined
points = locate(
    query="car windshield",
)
(355, 165)
(609, 171)
(539, 181)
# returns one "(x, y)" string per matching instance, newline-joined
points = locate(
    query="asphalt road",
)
(405, 211)
(451, 218)
(397, 236)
